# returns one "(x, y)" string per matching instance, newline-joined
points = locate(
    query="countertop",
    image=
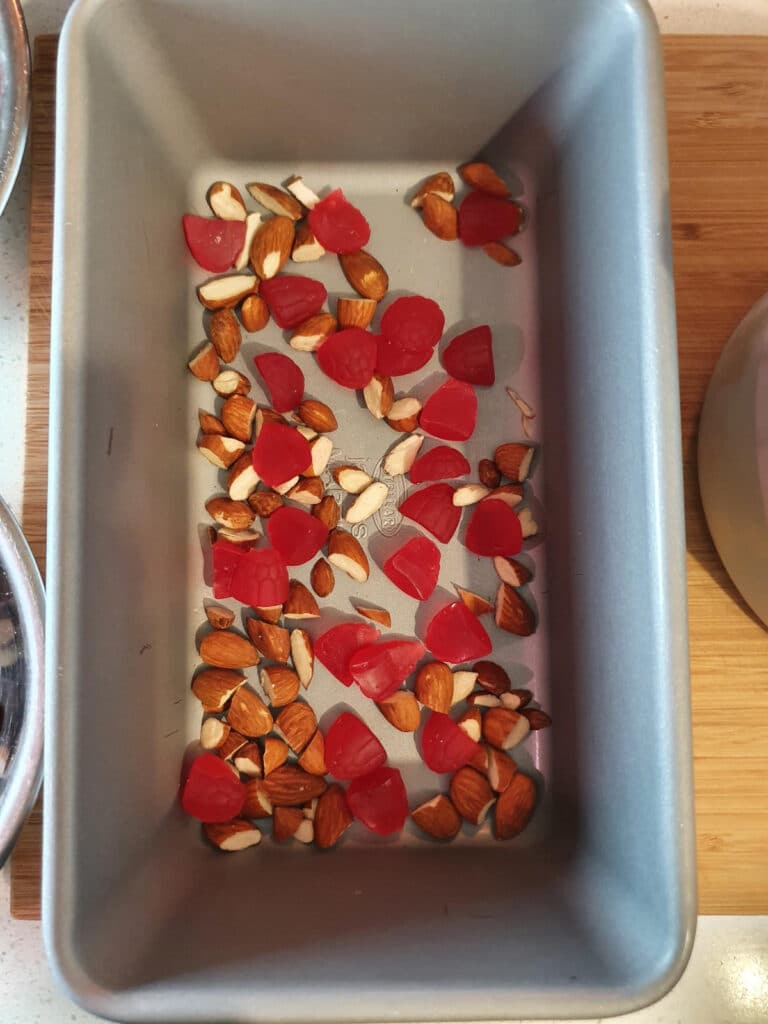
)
(726, 981)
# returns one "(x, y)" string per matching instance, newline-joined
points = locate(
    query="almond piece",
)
(275, 200)
(300, 604)
(438, 818)
(285, 823)
(471, 795)
(291, 786)
(327, 512)
(238, 536)
(302, 192)
(477, 605)
(367, 503)
(434, 686)
(322, 578)
(234, 835)
(254, 314)
(537, 719)
(312, 759)
(500, 769)
(303, 656)
(365, 274)
(257, 803)
(484, 700)
(234, 514)
(400, 458)
(210, 424)
(510, 571)
(226, 292)
(264, 503)
(492, 677)
(234, 741)
(252, 222)
(514, 807)
(213, 733)
(224, 649)
(306, 248)
(463, 685)
(237, 415)
(243, 478)
(248, 761)
(308, 491)
(309, 336)
(380, 615)
(504, 728)
(224, 332)
(440, 184)
(321, 448)
(205, 363)
(264, 414)
(379, 395)
(481, 176)
(526, 410)
(271, 641)
(401, 710)
(317, 415)
(231, 382)
(249, 714)
(271, 613)
(219, 616)
(404, 415)
(469, 494)
(471, 721)
(271, 246)
(440, 217)
(516, 699)
(283, 489)
(528, 524)
(489, 474)
(226, 202)
(306, 432)
(514, 460)
(502, 254)
(219, 450)
(512, 612)
(280, 684)
(275, 753)
(332, 817)
(346, 553)
(511, 493)
(297, 723)
(351, 479)
(355, 312)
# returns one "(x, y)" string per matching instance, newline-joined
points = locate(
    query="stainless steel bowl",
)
(14, 94)
(21, 679)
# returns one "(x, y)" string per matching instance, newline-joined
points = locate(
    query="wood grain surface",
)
(717, 103)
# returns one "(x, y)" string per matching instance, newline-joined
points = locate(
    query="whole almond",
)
(322, 578)
(346, 553)
(401, 710)
(257, 803)
(471, 795)
(214, 687)
(205, 363)
(312, 759)
(309, 336)
(440, 217)
(434, 686)
(249, 714)
(275, 200)
(332, 817)
(224, 332)
(297, 722)
(219, 616)
(280, 684)
(224, 649)
(327, 512)
(271, 246)
(440, 184)
(355, 312)
(488, 473)
(317, 415)
(365, 274)
(438, 817)
(537, 718)
(291, 786)
(481, 176)
(514, 807)
(379, 395)
(300, 604)
(254, 314)
(234, 514)
(512, 612)
(514, 460)
(210, 424)
(275, 753)
(234, 835)
(264, 503)
(303, 656)
(271, 641)
(502, 254)
(492, 677)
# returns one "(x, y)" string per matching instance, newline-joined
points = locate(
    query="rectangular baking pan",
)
(591, 912)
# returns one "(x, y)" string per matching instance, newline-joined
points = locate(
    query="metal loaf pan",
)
(591, 912)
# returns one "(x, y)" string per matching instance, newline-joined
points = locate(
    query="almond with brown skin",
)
(471, 721)
(322, 578)
(346, 553)
(303, 655)
(254, 314)
(500, 768)
(312, 759)
(404, 415)
(365, 274)
(301, 191)
(271, 614)
(275, 753)
(291, 786)
(257, 803)
(213, 733)
(210, 424)
(379, 395)
(492, 677)
(231, 382)
(271, 641)
(469, 494)
(463, 685)
(514, 807)
(317, 415)
(514, 460)
(235, 515)
(504, 728)
(275, 200)
(280, 684)
(510, 571)
(234, 835)
(306, 248)
(285, 822)
(205, 363)
(351, 479)
(300, 604)
(226, 202)
(380, 615)
(477, 605)
(438, 818)
(219, 616)
(440, 184)
(512, 612)
(248, 761)
(214, 687)
(321, 449)
(401, 710)
(252, 222)
(308, 491)
(264, 503)
(516, 699)
(297, 722)
(512, 494)
(249, 714)
(225, 649)
(502, 254)
(327, 512)
(224, 332)
(528, 524)
(489, 474)
(237, 415)
(309, 336)
(249, 537)
(332, 817)
(355, 312)
(226, 292)
(471, 795)
(537, 718)
(271, 246)
(243, 478)
(440, 217)
(234, 741)
(434, 686)
(481, 176)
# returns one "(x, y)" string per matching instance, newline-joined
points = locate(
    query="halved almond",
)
(270, 640)
(205, 363)
(351, 479)
(367, 503)
(512, 494)
(365, 274)
(514, 460)
(238, 536)
(346, 553)
(471, 795)
(231, 382)
(516, 699)
(404, 415)
(248, 761)
(380, 615)
(481, 176)
(271, 246)
(500, 769)
(440, 217)
(469, 494)
(321, 448)
(237, 415)
(280, 684)
(477, 605)
(219, 616)
(275, 753)
(484, 700)
(438, 817)
(219, 450)
(440, 184)
(306, 248)
(312, 759)
(284, 488)
(303, 656)
(234, 741)
(226, 202)
(257, 803)
(332, 817)
(400, 458)
(502, 254)
(513, 614)
(470, 721)
(300, 604)
(249, 714)
(234, 514)
(265, 414)
(254, 314)
(224, 648)
(213, 733)
(322, 578)
(537, 718)
(285, 823)
(275, 200)
(297, 722)
(528, 524)
(308, 491)
(252, 222)
(210, 424)
(401, 710)
(234, 835)
(306, 431)
(264, 503)
(302, 192)
(510, 571)
(317, 415)
(225, 292)
(504, 728)
(243, 478)
(355, 312)
(214, 687)
(310, 335)
(463, 684)
(434, 686)
(379, 395)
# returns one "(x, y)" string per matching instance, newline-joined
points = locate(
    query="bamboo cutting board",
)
(717, 103)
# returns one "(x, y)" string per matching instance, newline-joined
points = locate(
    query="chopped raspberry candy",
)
(212, 791)
(394, 361)
(494, 529)
(260, 579)
(283, 380)
(450, 412)
(432, 507)
(379, 800)
(442, 463)
(445, 747)
(349, 357)
(296, 534)
(485, 218)
(469, 357)
(335, 647)
(413, 322)
(338, 225)
(415, 567)
(215, 244)
(292, 299)
(280, 452)
(454, 634)
(380, 668)
(351, 749)
(226, 558)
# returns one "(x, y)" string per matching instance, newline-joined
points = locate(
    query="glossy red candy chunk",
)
(450, 412)
(413, 323)
(212, 791)
(335, 647)
(441, 463)
(226, 558)
(484, 218)
(494, 529)
(444, 746)
(469, 357)
(283, 380)
(394, 361)
(379, 800)
(349, 357)
(380, 668)
(280, 452)
(296, 534)
(215, 244)
(292, 299)
(260, 579)
(432, 507)
(338, 225)
(415, 567)
(351, 749)
(454, 634)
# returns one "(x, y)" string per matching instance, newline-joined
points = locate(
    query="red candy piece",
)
(414, 567)
(292, 299)
(336, 646)
(413, 323)
(283, 380)
(494, 529)
(450, 412)
(442, 463)
(280, 452)
(469, 357)
(338, 225)
(380, 668)
(215, 244)
(296, 534)
(484, 218)
(454, 634)
(379, 800)
(444, 746)
(226, 558)
(212, 791)
(394, 361)
(349, 357)
(433, 508)
(351, 749)
(261, 579)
